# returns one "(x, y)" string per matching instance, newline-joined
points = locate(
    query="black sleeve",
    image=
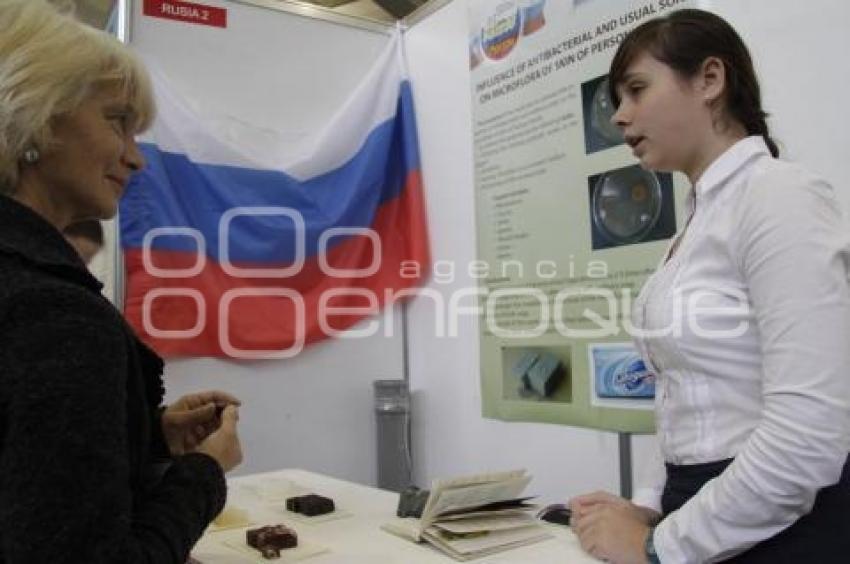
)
(65, 493)
(159, 446)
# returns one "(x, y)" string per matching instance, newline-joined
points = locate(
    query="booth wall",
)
(286, 74)
(800, 52)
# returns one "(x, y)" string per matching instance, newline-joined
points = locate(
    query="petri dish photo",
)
(626, 204)
(601, 111)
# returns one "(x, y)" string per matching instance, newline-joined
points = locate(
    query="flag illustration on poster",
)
(235, 253)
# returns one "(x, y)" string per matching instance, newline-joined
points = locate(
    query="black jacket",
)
(80, 436)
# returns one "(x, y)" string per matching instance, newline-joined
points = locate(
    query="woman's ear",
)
(711, 80)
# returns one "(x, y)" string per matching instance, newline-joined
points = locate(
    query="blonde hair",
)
(49, 64)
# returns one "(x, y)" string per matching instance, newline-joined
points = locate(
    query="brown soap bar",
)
(271, 539)
(310, 505)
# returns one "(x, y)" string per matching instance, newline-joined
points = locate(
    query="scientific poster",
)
(569, 225)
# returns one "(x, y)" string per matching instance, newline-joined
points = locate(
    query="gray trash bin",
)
(392, 422)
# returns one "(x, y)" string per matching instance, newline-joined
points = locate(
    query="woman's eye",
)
(119, 122)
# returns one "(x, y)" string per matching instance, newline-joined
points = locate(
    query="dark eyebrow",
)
(630, 76)
(623, 82)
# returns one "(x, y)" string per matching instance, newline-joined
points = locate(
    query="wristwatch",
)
(649, 548)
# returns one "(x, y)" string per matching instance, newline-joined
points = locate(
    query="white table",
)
(357, 538)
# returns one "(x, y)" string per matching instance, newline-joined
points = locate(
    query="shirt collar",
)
(26, 234)
(730, 162)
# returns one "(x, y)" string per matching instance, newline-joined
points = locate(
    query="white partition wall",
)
(449, 435)
(286, 74)
(800, 51)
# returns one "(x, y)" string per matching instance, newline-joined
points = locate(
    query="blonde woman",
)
(91, 468)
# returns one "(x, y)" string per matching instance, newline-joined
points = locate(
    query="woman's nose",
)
(133, 157)
(620, 117)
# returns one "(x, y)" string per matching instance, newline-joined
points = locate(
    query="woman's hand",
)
(223, 445)
(611, 528)
(192, 418)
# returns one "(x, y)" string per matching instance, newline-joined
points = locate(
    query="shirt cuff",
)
(666, 547)
(648, 497)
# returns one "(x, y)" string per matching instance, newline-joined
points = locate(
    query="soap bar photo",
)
(619, 372)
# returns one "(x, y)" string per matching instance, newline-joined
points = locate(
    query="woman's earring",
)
(31, 156)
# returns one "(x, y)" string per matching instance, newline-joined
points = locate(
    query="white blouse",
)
(747, 326)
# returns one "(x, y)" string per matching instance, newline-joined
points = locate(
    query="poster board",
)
(569, 226)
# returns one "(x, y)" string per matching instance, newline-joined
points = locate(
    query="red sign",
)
(186, 12)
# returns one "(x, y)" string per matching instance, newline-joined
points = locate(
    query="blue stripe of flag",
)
(174, 191)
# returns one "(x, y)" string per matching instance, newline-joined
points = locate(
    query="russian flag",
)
(235, 250)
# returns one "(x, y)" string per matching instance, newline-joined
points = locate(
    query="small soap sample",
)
(310, 505)
(539, 374)
(526, 361)
(271, 539)
(545, 375)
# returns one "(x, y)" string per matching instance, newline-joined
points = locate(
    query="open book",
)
(474, 516)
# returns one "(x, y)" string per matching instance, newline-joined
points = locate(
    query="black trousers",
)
(820, 537)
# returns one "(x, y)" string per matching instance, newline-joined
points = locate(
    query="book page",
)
(474, 496)
(519, 503)
(405, 527)
(477, 546)
(485, 524)
(437, 487)
(489, 513)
